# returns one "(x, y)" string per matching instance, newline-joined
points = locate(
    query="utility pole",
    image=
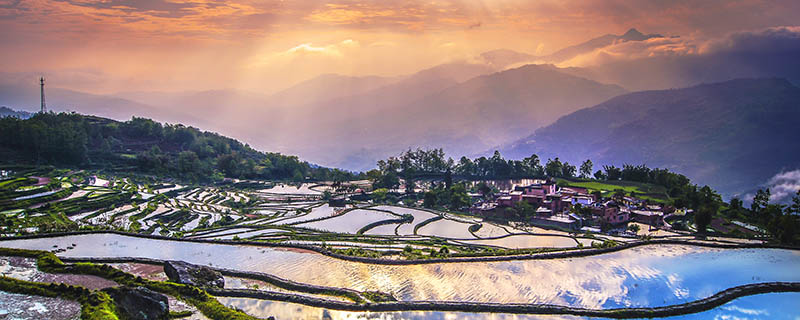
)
(44, 106)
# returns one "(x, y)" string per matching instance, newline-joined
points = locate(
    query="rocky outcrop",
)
(140, 303)
(193, 275)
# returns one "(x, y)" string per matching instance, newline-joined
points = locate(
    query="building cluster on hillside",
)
(572, 208)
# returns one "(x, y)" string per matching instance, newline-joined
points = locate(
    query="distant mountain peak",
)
(572, 51)
(632, 32)
(634, 35)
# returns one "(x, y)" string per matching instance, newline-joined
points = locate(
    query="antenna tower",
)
(44, 106)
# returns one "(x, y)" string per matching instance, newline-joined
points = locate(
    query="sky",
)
(109, 46)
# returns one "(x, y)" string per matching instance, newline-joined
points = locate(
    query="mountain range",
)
(8, 112)
(733, 135)
(503, 58)
(499, 98)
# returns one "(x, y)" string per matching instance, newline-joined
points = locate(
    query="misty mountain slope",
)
(596, 43)
(502, 106)
(502, 58)
(690, 70)
(328, 87)
(731, 135)
(22, 97)
(766, 53)
(462, 118)
(8, 112)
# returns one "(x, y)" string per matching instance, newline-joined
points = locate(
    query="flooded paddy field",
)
(780, 306)
(653, 275)
(297, 217)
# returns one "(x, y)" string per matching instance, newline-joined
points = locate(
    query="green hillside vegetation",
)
(143, 145)
(641, 190)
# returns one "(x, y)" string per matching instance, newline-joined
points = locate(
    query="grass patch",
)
(640, 190)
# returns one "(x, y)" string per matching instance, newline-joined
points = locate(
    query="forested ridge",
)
(146, 146)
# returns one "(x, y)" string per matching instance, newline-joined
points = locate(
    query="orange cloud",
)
(230, 43)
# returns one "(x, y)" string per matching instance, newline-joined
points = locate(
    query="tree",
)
(188, 162)
(553, 168)
(448, 179)
(410, 186)
(524, 210)
(567, 170)
(429, 200)
(532, 166)
(465, 167)
(794, 208)
(599, 175)
(785, 228)
(387, 180)
(484, 189)
(702, 218)
(458, 196)
(586, 169)
(760, 201)
(735, 208)
(612, 173)
(380, 195)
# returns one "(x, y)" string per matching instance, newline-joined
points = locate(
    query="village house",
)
(653, 218)
(611, 213)
(554, 206)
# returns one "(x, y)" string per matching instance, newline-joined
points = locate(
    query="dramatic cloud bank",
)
(783, 186)
(781, 39)
(265, 46)
(775, 39)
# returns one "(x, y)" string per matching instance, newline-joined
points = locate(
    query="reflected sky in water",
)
(645, 276)
(764, 306)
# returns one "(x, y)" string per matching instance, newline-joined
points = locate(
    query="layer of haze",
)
(345, 83)
(107, 46)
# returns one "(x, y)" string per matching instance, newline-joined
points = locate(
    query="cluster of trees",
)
(424, 163)
(642, 173)
(419, 163)
(47, 137)
(170, 150)
(453, 197)
(782, 221)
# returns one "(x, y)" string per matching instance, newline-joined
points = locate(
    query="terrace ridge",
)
(561, 253)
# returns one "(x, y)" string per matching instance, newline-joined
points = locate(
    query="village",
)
(576, 209)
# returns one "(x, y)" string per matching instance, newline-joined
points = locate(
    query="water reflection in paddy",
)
(447, 228)
(349, 222)
(304, 189)
(522, 241)
(408, 228)
(763, 306)
(646, 276)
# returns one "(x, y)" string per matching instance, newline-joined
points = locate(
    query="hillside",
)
(8, 112)
(731, 135)
(462, 118)
(596, 43)
(490, 109)
(144, 146)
